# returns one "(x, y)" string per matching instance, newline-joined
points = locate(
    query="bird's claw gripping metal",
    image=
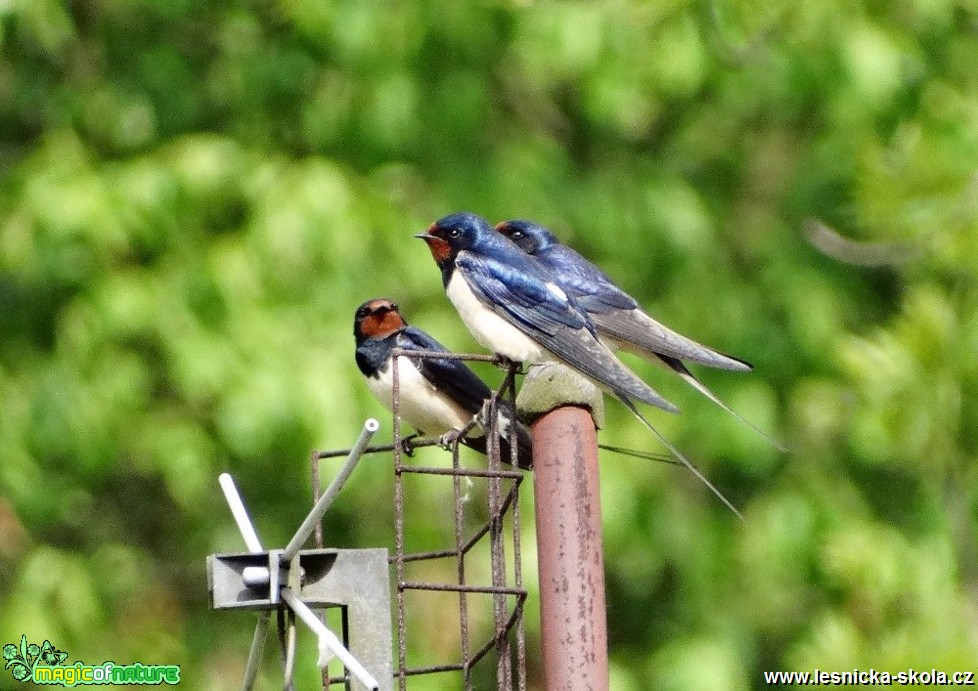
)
(509, 365)
(449, 438)
(407, 447)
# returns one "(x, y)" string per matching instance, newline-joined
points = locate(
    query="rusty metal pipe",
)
(573, 622)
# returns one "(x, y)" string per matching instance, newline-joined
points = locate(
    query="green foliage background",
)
(195, 195)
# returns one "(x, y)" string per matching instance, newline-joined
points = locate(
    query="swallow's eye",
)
(516, 234)
(454, 233)
(394, 307)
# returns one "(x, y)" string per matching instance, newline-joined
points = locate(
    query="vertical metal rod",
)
(284, 617)
(571, 562)
(290, 642)
(517, 547)
(463, 606)
(399, 527)
(317, 492)
(308, 525)
(317, 536)
(497, 551)
(257, 647)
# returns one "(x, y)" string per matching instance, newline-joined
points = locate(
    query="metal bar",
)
(284, 615)
(463, 608)
(570, 554)
(289, 666)
(481, 532)
(317, 492)
(466, 472)
(452, 587)
(440, 355)
(308, 525)
(399, 525)
(513, 618)
(317, 537)
(431, 669)
(497, 550)
(382, 448)
(424, 442)
(501, 499)
(257, 647)
(329, 640)
(513, 497)
(423, 556)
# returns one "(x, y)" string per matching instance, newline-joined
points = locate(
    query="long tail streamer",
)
(675, 452)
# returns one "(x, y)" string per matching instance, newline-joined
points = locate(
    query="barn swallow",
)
(437, 396)
(617, 316)
(515, 307)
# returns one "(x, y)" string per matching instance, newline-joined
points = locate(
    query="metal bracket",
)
(356, 579)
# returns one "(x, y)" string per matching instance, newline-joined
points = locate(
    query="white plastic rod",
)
(240, 513)
(328, 640)
(253, 544)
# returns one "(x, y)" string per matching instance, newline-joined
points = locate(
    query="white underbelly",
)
(421, 405)
(488, 328)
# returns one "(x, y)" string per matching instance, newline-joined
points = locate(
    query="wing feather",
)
(555, 321)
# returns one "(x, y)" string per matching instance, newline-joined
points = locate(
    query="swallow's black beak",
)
(425, 236)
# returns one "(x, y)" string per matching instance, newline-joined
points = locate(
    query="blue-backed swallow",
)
(436, 396)
(617, 316)
(515, 307)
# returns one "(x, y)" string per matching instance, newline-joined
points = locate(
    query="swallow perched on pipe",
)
(437, 396)
(515, 307)
(617, 316)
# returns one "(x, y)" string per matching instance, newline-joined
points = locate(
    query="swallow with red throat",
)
(515, 307)
(437, 396)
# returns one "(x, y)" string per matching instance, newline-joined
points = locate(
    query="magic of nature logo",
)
(45, 664)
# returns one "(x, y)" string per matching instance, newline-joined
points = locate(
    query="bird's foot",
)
(449, 438)
(407, 447)
(508, 364)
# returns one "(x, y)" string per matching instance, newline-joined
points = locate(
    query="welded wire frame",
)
(508, 629)
(508, 640)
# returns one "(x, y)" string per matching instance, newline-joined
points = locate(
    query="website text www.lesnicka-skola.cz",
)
(871, 677)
